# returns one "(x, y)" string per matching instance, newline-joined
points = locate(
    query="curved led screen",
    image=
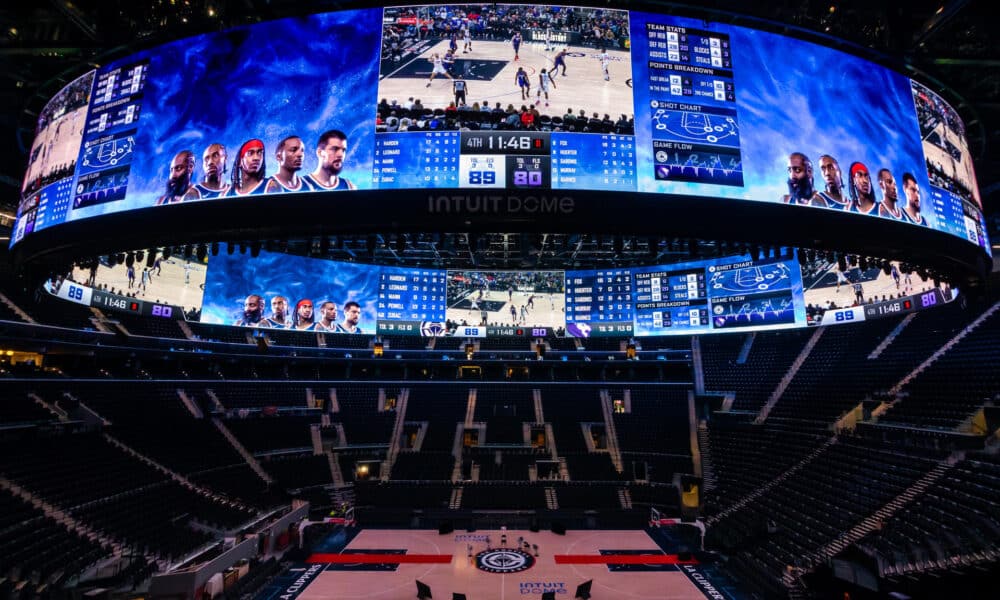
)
(276, 291)
(509, 97)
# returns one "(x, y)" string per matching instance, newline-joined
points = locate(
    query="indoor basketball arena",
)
(622, 301)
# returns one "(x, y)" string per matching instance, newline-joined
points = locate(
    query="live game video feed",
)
(542, 96)
(283, 291)
(141, 283)
(504, 302)
(842, 290)
(52, 158)
(718, 110)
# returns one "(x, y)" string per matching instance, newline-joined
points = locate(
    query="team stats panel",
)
(670, 300)
(696, 135)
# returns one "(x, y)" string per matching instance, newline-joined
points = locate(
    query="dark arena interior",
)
(614, 300)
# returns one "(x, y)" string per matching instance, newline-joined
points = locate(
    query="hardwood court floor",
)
(173, 285)
(560, 565)
(583, 87)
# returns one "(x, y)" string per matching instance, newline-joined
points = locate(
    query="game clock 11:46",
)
(505, 159)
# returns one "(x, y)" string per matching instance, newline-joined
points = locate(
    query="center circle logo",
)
(504, 561)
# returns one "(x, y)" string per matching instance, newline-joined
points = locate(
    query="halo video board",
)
(504, 97)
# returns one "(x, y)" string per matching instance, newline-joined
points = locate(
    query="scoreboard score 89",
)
(505, 159)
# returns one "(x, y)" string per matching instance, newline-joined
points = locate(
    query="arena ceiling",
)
(948, 44)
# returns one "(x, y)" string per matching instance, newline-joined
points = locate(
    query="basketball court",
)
(875, 284)
(386, 564)
(490, 69)
(178, 282)
(545, 310)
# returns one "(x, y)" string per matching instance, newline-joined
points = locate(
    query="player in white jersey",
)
(544, 81)
(605, 59)
(439, 69)
(548, 39)
(466, 40)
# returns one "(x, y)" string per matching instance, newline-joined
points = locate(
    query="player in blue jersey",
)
(279, 318)
(352, 315)
(516, 42)
(331, 149)
(911, 211)
(290, 154)
(253, 310)
(248, 176)
(800, 181)
(833, 195)
(889, 207)
(305, 320)
(179, 184)
(213, 163)
(449, 62)
(560, 61)
(328, 316)
(453, 43)
(862, 193)
(521, 79)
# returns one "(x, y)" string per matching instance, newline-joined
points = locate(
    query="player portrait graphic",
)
(304, 294)
(292, 94)
(213, 183)
(862, 190)
(518, 49)
(290, 154)
(889, 206)
(253, 311)
(800, 181)
(179, 186)
(331, 151)
(911, 192)
(832, 195)
(248, 174)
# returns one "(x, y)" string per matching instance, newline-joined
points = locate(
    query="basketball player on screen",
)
(911, 211)
(544, 81)
(328, 316)
(889, 207)
(331, 149)
(800, 181)
(290, 153)
(605, 59)
(560, 61)
(179, 184)
(305, 320)
(352, 316)
(248, 176)
(467, 39)
(279, 314)
(516, 42)
(213, 163)
(833, 195)
(253, 310)
(437, 69)
(521, 79)
(862, 193)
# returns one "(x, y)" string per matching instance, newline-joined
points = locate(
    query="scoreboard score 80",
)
(505, 159)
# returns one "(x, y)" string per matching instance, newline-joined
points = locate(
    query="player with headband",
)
(248, 176)
(862, 193)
